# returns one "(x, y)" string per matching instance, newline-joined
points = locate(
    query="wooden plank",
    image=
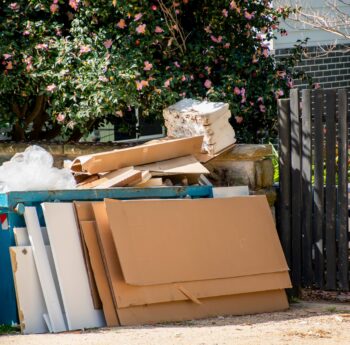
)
(284, 132)
(343, 241)
(296, 188)
(307, 272)
(30, 299)
(71, 271)
(91, 240)
(331, 197)
(45, 273)
(22, 238)
(153, 182)
(318, 211)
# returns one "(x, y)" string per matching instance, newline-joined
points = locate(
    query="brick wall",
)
(330, 70)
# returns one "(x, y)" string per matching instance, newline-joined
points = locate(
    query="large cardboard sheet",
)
(127, 295)
(138, 155)
(166, 241)
(71, 271)
(90, 238)
(249, 303)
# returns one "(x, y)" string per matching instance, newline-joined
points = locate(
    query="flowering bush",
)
(68, 65)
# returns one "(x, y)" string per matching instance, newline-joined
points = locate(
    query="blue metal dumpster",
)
(12, 205)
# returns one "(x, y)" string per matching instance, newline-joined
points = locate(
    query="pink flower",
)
(266, 52)
(183, 78)
(26, 33)
(243, 92)
(316, 86)
(28, 61)
(141, 84)
(207, 29)
(84, 49)
(225, 12)
(141, 29)
(138, 17)
(74, 4)
(9, 65)
(14, 6)
(108, 43)
(121, 24)
(236, 91)
(60, 117)
(154, 8)
(227, 45)
(167, 82)
(148, 66)
(208, 84)
(54, 8)
(103, 78)
(260, 99)
(177, 64)
(58, 32)
(262, 108)
(42, 46)
(233, 5)
(7, 56)
(248, 15)
(279, 93)
(51, 87)
(158, 30)
(239, 119)
(216, 40)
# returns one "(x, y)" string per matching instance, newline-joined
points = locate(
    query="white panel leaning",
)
(72, 276)
(45, 273)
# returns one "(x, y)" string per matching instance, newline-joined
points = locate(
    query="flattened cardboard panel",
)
(250, 303)
(181, 165)
(90, 238)
(71, 271)
(166, 241)
(119, 178)
(128, 295)
(137, 155)
(84, 210)
(22, 238)
(30, 299)
(45, 271)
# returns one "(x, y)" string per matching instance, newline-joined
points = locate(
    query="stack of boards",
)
(156, 163)
(211, 119)
(147, 261)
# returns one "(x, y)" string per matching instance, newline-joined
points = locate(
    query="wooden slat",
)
(296, 188)
(343, 245)
(306, 152)
(330, 189)
(318, 188)
(284, 174)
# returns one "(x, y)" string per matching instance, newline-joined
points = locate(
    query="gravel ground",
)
(304, 323)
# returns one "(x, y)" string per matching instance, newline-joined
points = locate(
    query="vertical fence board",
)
(306, 154)
(330, 189)
(296, 188)
(318, 228)
(284, 177)
(343, 245)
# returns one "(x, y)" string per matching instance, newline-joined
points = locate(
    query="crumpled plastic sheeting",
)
(33, 170)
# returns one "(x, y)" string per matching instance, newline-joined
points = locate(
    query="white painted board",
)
(46, 276)
(228, 192)
(22, 237)
(30, 298)
(72, 276)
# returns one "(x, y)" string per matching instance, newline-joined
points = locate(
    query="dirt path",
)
(304, 323)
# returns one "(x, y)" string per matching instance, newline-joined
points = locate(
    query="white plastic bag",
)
(33, 170)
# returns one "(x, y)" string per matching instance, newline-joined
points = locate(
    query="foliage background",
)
(66, 66)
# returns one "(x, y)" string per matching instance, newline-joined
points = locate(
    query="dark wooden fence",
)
(313, 193)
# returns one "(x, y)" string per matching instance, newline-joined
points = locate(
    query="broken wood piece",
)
(138, 155)
(145, 177)
(153, 182)
(83, 179)
(182, 165)
(119, 178)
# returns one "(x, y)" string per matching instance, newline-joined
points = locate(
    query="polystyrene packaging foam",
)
(33, 170)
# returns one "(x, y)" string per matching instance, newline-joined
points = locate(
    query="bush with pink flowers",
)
(66, 66)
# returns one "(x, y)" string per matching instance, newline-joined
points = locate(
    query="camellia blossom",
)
(154, 8)
(121, 24)
(9, 65)
(54, 8)
(239, 119)
(167, 82)
(279, 93)
(60, 117)
(216, 40)
(42, 46)
(51, 87)
(248, 15)
(208, 84)
(108, 43)
(225, 12)
(141, 29)
(14, 6)
(227, 45)
(84, 49)
(158, 30)
(141, 84)
(138, 17)
(262, 108)
(74, 4)
(7, 56)
(236, 91)
(148, 66)
(177, 64)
